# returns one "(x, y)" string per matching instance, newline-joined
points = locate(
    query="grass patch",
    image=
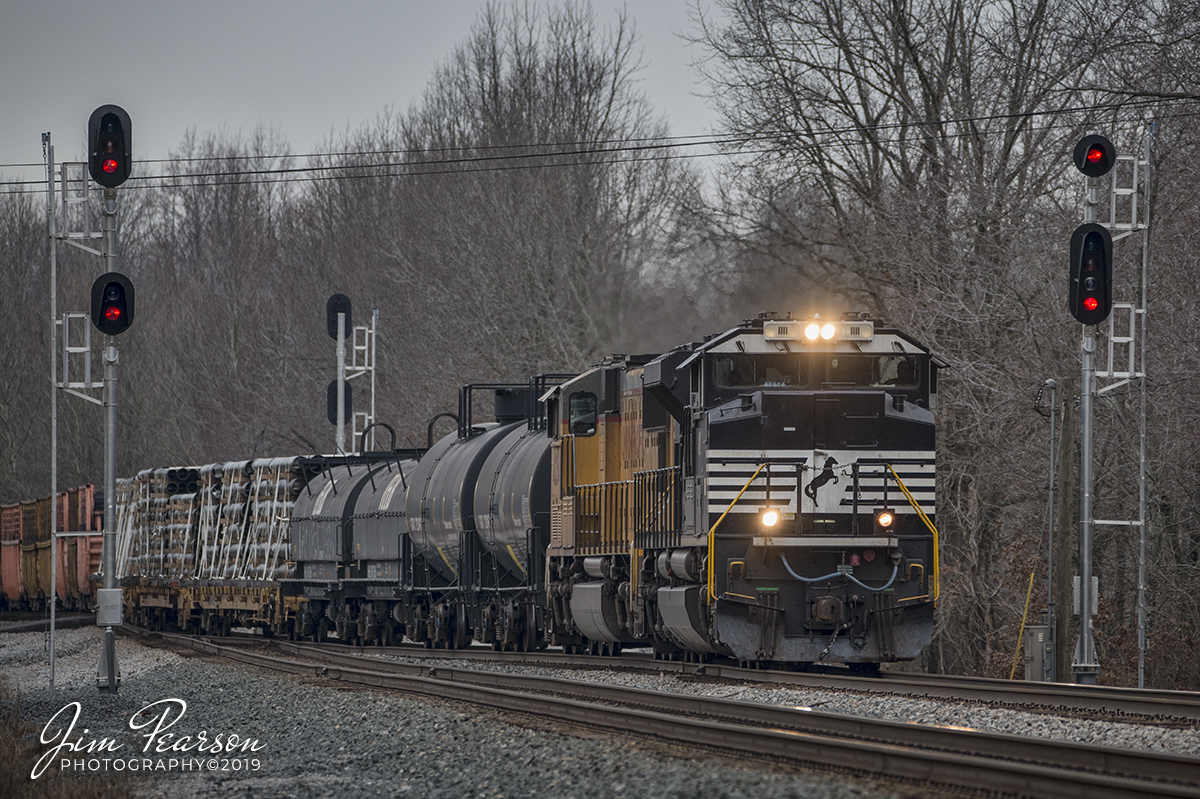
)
(20, 749)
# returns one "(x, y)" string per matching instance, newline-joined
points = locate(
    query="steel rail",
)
(1131, 704)
(947, 756)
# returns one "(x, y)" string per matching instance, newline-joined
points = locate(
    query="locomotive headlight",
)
(885, 518)
(811, 331)
(770, 517)
(827, 331)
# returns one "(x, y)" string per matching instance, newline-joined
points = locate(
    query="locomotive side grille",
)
(562, 523)
(556, 526)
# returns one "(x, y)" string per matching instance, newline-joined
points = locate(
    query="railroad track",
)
(1130, 705)
(950, 759)
(21, 622)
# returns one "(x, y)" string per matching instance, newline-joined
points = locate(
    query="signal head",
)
(112, 303)
(338, 304)
(1090, 298)
(1095, 155)
(110, 145)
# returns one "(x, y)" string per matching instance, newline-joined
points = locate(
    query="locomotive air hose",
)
(851, 577)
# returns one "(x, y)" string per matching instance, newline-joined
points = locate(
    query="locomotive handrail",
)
(932, 529)
(712, 535)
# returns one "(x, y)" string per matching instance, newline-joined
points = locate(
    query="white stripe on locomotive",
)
(728, 471)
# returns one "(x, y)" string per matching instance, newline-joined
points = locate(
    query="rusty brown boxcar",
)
(10, 556)
(36, 520)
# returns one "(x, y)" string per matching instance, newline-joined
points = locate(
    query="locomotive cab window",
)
(582, 407)
(760, 371)
(853, 370)
(897, 370)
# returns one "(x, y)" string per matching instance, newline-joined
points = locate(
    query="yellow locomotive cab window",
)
(582, 407)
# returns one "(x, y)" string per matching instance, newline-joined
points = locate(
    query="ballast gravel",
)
(949, 713)
(311, 739)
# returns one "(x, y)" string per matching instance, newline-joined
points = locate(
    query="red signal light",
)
(1091, 303)
(110, 165)
(1094, 155)
(112, 313)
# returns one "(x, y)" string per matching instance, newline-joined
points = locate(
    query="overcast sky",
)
(309, 68)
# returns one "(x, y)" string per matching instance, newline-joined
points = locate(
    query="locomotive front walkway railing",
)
(657, 508)
(645, 511)
(601, 514)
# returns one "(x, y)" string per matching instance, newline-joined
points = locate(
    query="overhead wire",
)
(419, 167)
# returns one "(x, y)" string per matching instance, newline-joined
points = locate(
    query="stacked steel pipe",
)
(222, 521)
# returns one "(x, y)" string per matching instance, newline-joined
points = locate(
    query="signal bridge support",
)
(361, 339)
(70, 224)
(362, 362)
(110, 148)
(1121, 364)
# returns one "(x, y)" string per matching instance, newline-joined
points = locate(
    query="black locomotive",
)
(766, 494)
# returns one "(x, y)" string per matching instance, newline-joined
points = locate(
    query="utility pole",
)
(48, 148)
(1085, 665)
(110, 604)
(1064, 513)
(337, 322)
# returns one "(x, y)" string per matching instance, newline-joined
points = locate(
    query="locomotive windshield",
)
(873, 370)
(793, 370)
(753, 371)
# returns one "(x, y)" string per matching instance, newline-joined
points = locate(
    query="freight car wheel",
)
(529, 636)
(461, 637)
